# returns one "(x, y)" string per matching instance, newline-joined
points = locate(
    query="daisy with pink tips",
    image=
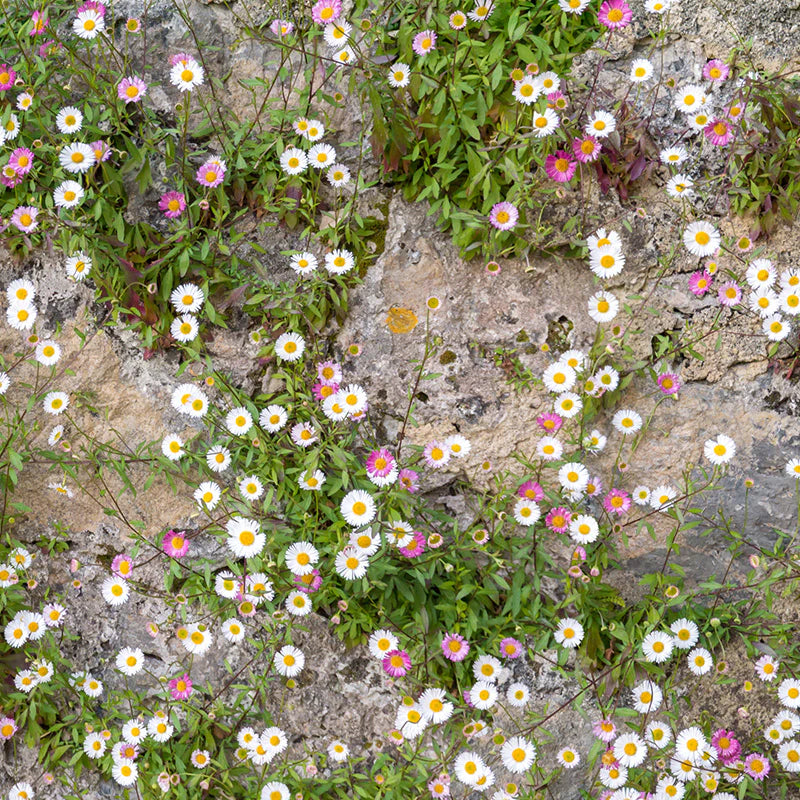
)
(615, 14)
(729, 294)
(396, 663)
(424, 42)
(281, 27)
(617, 502)
(324, 12)
(408, 480)
(211, 174)
(700, 282)
(24, 218)
(7, 77)
(175, 544)
(131, 89)
(558, 519)
(503, 216)
(21, 160)
(605, 730)
(716, 70)
(549, 422)
(586, 149)
(181, 688)
(380, 463)
(455, 647)
(719, 132)
(669, 383)
(560, 167)
(173, 204)
(531, 490)
(40, 23)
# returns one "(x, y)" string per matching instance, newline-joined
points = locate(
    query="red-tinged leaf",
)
(603, 178)
(234, 298)
(637, 168)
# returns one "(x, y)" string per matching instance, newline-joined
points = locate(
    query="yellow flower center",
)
(247, 538)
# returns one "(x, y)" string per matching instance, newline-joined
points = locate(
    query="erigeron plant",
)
(307, 508)
(338, 540)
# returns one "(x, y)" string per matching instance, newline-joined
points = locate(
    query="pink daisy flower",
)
(615, 14)
(416, 547)
(504, 216)
(531, 490)
(321, 390)
(21, 160)
(280, 27)
(123, 750)
(211, 174)
(716, 70)
(7, 76)
(396, 663)
(700, 282)
(92, 5)
(579, 555)
(617, 502)
(10, 178)
(558, 519)
(510, 647)
(8, 727)
(329, 372)
(457, 20)
(131, 89)
(40, 23)
(586, 149)
(455, 647)
(380, 463)
(557, 100)
(309, 583)
(181, 688)
(408, 480)
(24, 218)
(436, 454)
(726, 744)
(49, 48)
(735, 110)
(767, 668)
(729, 294)
(424, 42)
(175, 544)
(549, 422)
(605, 730)
(719, 132)
(173, 204)
(560, 167)
(594, 487)
(757, 766)
(181, 58)
(440, 787)
(326, 11)
(303, 434)
(669, 383)
(102, 151)
(122, 565)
